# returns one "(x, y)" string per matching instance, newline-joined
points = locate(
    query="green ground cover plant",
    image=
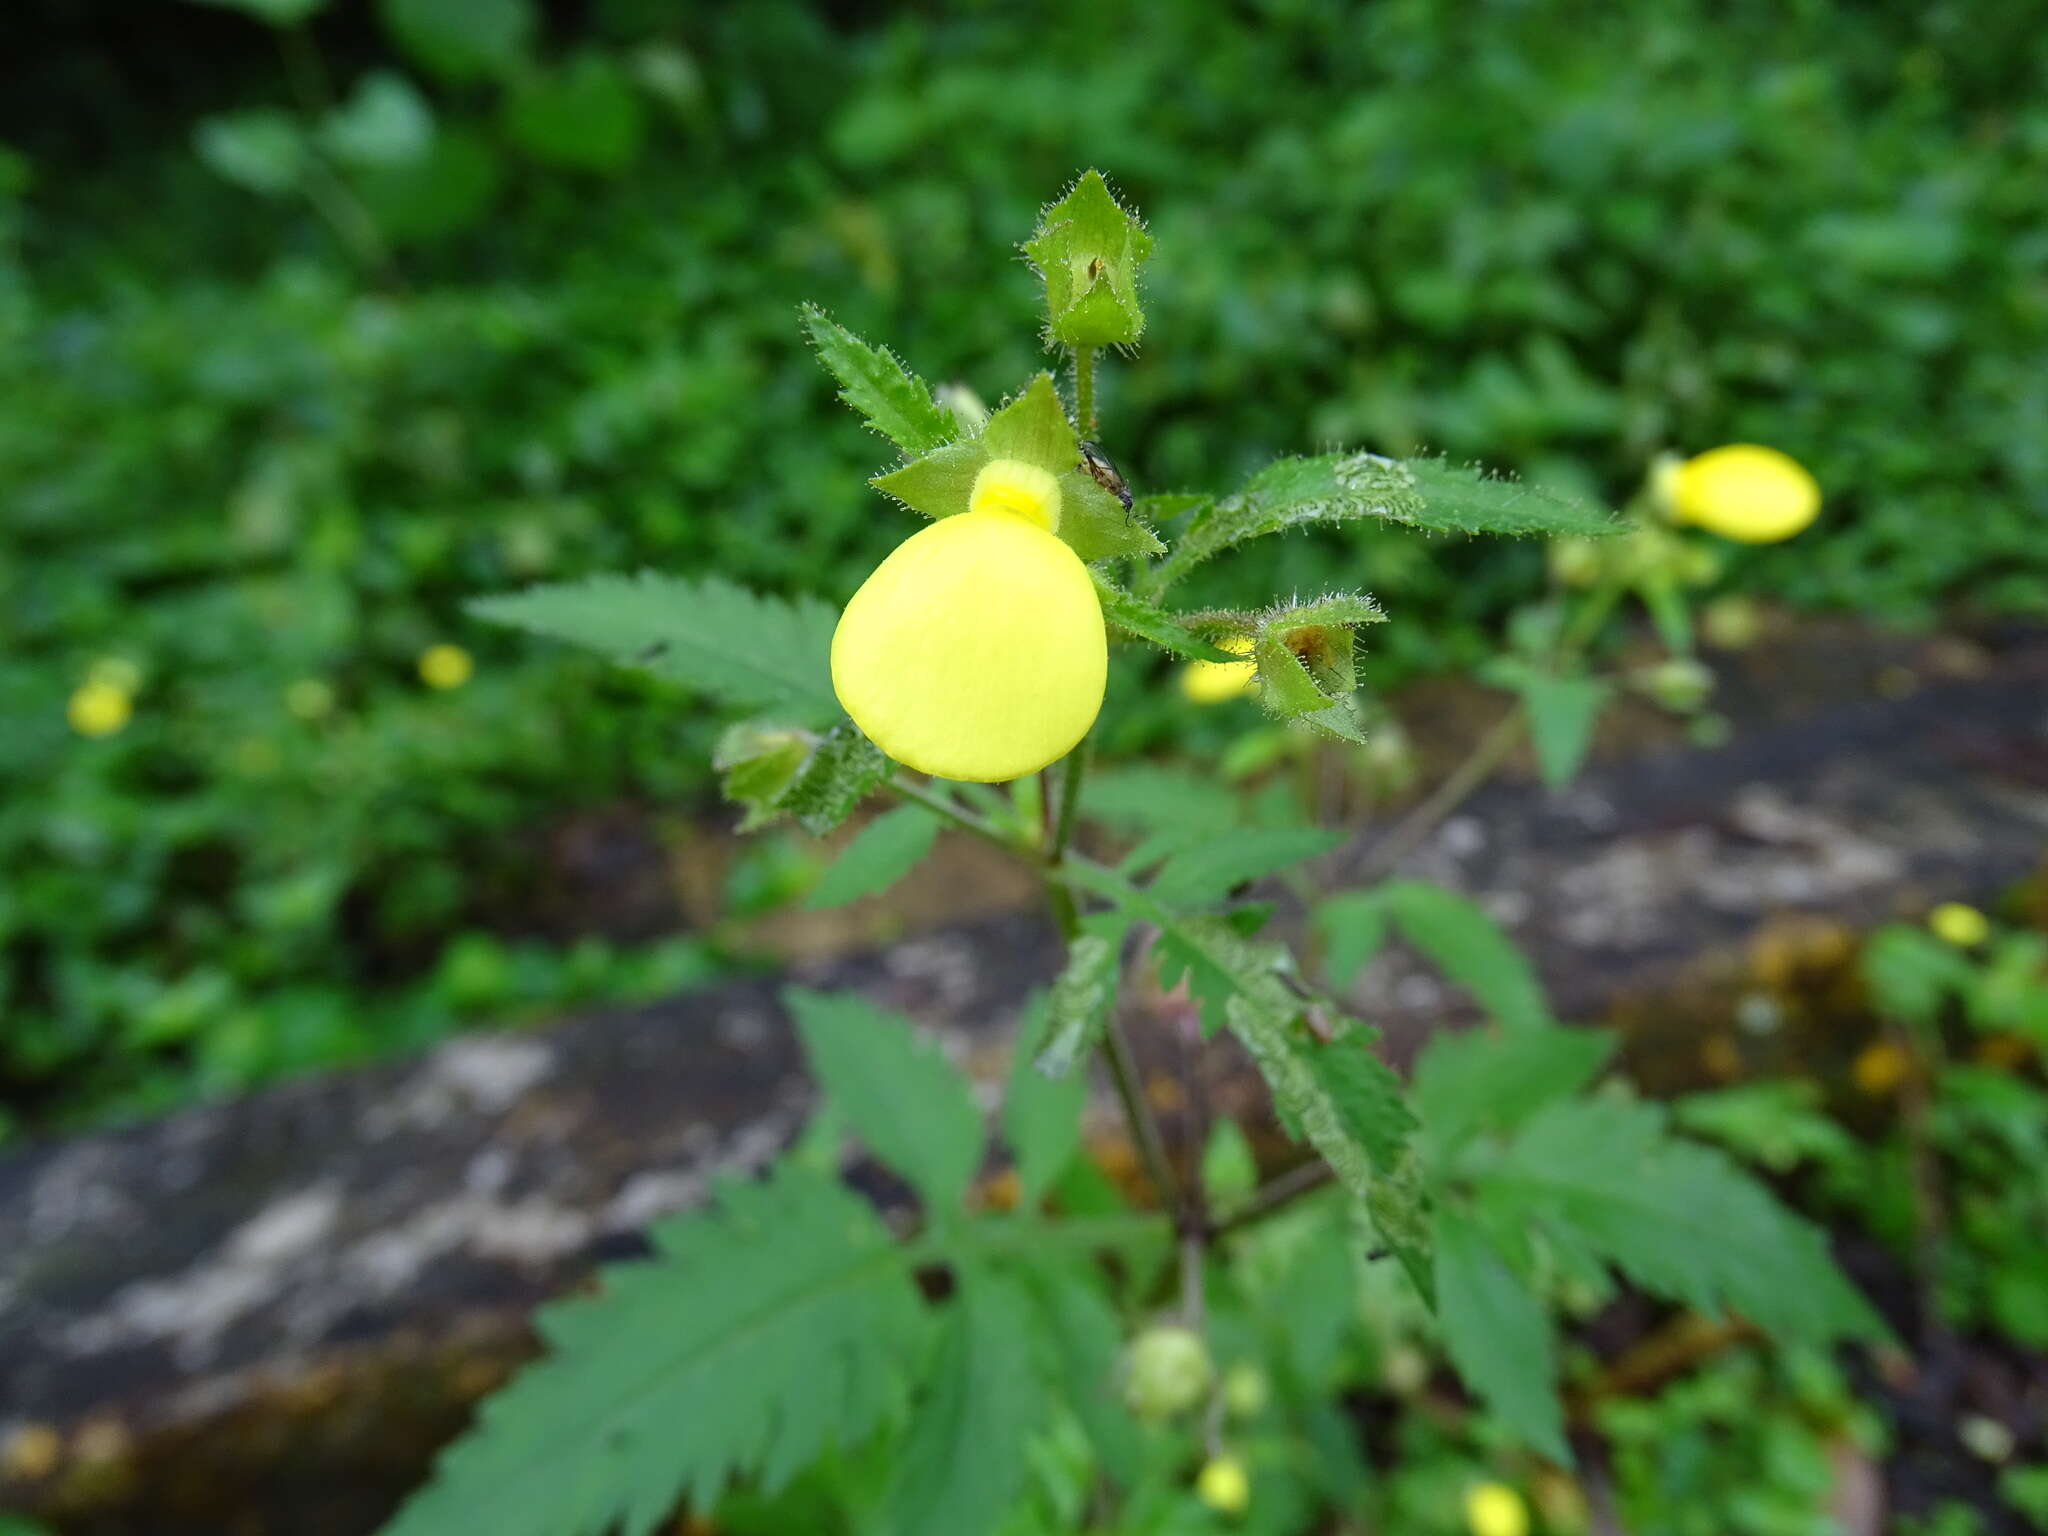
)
(364, 315)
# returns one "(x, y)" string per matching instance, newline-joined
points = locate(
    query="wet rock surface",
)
(264, 1315)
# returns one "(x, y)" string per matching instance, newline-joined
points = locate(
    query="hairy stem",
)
(1084, 391)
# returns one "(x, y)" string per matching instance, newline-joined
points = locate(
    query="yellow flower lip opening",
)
(976, 651)
(1023, 490)
(1744, 491)
(1213, 682)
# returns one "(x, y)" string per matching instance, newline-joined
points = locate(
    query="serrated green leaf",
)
(1099, 527)
(1679, 1219)
(1089, 250)
(1081, 999)
(722, 640)
(842, 768)
(1147, 621)
(1470, 948)
(1293, 493)
(675, 1377)
(963, 1462)
(1459, 498)
(1033, 426)
(941, 482)
(881, 853)
(1498, 1335)
(899, 1094)
(894, 401)
(1562, 713)
(1473, 1081)
(1041, 1109)
(1349, 1107)
(1207, 872)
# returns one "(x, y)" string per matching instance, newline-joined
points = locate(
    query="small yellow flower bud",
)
(1963, 926)
(1495, 1509)
(976, 651)
(1025, 490)
(1745, 492)
(98, 709)
(445, 666)
(1224, 1486)
(1212, 682)
(1166, 1372)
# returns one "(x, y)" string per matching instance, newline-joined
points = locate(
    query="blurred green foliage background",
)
(318, 319)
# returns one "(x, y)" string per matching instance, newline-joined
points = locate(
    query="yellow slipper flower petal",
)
(1746, 492)
(1212, 682)
(975, 651)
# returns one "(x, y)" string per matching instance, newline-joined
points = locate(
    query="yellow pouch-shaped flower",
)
(975, 651)
(1745, 492)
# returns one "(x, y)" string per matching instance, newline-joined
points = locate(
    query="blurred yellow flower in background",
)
(976, 650)
(1213, 682)
(98, 708)
(1963, 926)
(1224, 1485)
(1880, 1067)
(1495, 1509)
(1746, 492)
(445, 666)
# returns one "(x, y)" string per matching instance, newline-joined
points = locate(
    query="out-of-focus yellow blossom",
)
(1224, 1485)
(1880, 1067)
(1960, 925)
(445, 666)
(310, 698)
(1212, 682)
(99, 709)
(1746, 492)
(976, 650)
(1495, 1509)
